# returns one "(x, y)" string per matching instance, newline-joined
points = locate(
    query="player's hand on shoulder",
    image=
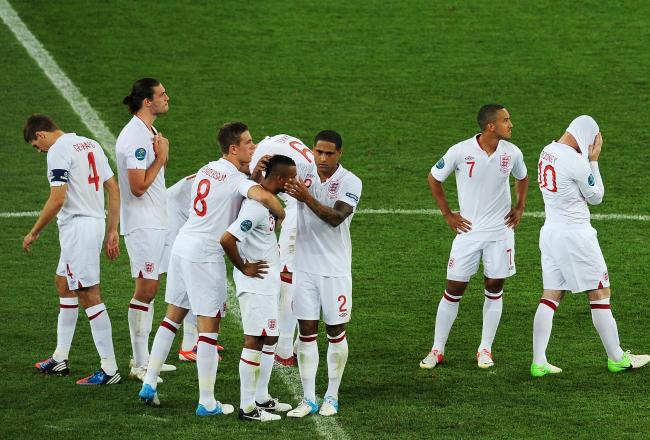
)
(28, 240)
(112, 245)
(514, 217)
(297, 189)
(255, 269)
(161, 146)
(457, 222)
(594, 149)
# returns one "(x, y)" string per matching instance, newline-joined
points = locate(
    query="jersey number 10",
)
(543, 177)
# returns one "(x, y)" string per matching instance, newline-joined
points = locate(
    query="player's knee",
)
(89, 296)
(494, 285)
(335, 330)
(456, 288)
(598, 294)
(308, 327)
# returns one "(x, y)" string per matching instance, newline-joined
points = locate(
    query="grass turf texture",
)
(401, 82)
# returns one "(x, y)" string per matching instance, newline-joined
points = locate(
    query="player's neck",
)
(487, 143)
(323, 177)
(568, 140)
(233, 160)
(147, 117)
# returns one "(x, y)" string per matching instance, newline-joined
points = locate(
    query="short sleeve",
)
(446, 165)
(136, 153)
(107, 172)
(519, 170)
(350, 191)
(244, 185)
(58, 167)
(250, 216)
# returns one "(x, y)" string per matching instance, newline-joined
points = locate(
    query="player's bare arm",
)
(50, 210)
(112, 243)
(455, 221)
(333, 216)
(514, 216)
(255, 269)
(257, 175)
(267, 199)
(141, 180)
(595, 148)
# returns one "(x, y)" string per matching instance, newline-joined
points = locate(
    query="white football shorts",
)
(81, 240)
(199, 287)
(572, 259)
(498, 258)
(259, 314)
(145, 248)
(287, 245)
(315, 293)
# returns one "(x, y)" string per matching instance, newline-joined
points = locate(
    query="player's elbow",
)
(137, 191)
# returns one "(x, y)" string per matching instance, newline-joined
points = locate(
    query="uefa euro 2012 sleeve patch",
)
(140, 153)
(246, 225)
(591, 180)
(440, 164)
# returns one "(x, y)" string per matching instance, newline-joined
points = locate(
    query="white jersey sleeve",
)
(245, 185)
(446, 165)
(519, 170)
(589, 182)
(350, 191)
(251, 215)
(58, 167)
(136, 149)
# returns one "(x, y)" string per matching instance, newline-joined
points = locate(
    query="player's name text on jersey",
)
(216, 175)
(548, 157)
(83, 146)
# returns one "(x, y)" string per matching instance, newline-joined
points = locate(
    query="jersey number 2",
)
(93, 177)
(201, 193)
(342, 300)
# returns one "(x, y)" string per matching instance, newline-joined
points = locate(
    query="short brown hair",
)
(230, 134)
(38, 123)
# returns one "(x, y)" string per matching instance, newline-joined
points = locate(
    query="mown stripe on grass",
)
(70, 92)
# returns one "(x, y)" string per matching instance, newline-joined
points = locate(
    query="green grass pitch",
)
(402, 81)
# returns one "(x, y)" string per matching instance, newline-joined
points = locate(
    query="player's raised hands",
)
(112, 245)
(514, 217)
(297, 189)
(256, 175)
(594, 149)
(28, 240)
(256, 269)
(161, 146)
(457, 222)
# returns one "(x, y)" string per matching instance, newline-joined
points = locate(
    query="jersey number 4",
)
(543, 177)
(200, 206)
(93, 177)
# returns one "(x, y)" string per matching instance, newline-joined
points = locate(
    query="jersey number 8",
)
(201, 193)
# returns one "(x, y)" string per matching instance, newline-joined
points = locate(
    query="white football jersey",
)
(322, 249)
(483, 184)
(134, 151)
(568, 183)
(216, 196)
(255, 230)
(303, 157)
(81, 164)
(179, 201)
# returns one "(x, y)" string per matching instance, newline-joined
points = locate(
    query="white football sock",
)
(337, 357)
(249, 373)
(100, 327)
(207, 362)
(492, 308)
(286, 322)
(190, 332)
(68, 313)
(308, 365)
(162, 343)
(445, 317)
(542, 326)
(140, 328)
(601, 315)
(266, 367)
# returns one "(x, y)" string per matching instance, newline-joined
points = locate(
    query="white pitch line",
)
(327, 427)
(534, 214)
(70, 92)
